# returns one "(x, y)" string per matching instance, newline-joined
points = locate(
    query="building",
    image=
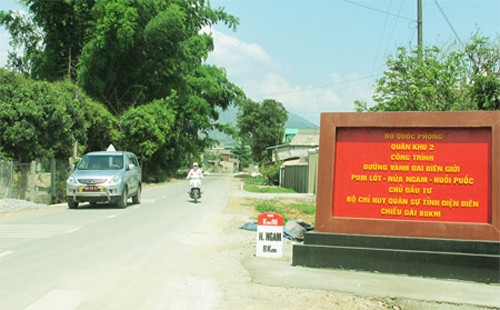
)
(299, 161)
(304, 140)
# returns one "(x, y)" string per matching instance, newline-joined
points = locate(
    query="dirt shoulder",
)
(243, 290)
(262, 283)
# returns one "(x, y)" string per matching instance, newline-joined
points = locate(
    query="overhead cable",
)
(314, 87)
(380, 11)
(449, 23)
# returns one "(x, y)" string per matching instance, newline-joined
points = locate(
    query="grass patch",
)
(291, 209)
(255, 180)
(267, 189)
(259, 185)
(263, 206)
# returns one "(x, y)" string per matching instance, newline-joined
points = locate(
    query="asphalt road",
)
(170, 253)
(102, 257)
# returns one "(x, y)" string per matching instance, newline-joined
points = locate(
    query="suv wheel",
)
(122, 202)
(72, 204)
(136, 199)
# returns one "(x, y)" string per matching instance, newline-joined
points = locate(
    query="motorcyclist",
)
(194, 176)
(195, 172)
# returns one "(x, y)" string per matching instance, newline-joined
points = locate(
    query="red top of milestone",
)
(270, 219)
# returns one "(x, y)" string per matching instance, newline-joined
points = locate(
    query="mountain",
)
(230, 117)
(294, 121)
(298, 122)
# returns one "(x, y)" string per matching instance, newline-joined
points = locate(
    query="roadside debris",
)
(295, 230)
(13, 205)
(252, 226)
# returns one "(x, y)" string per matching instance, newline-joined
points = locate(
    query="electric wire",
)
(387, 14)
(449, 23)
(381, 38)
(380, 11)
(313, 87)
(393, 29)
(378, 48)
(412, 22)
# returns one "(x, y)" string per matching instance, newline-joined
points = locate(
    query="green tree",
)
(102, 127)
(484, 72)
(25, 35)
(244, 154)
(271, 171)
(427, 85)
(122, 52)
(261, 125)
(467, 79)
(151, 125)
(38, 119)
(51, 37)
(197, 108)
(127, 53)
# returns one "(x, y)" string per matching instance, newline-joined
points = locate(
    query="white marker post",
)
(270, 235)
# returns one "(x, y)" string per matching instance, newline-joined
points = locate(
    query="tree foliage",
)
(131, 56)
(484, 73)
(244, 154)
(151, 124)
(261, 126)
(441, 81)
(122, 52)
(39, 119)
(271, 171)
(147, 130)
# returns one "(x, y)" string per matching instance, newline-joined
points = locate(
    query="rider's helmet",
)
(195, 164)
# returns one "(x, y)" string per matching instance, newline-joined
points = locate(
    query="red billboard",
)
(413, 174)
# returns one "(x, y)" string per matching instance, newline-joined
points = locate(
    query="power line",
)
(380, 40)
(314, 87)
(380, 11)
(393, 29)
(449, 23)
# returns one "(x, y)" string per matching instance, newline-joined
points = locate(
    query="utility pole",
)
(419, 25)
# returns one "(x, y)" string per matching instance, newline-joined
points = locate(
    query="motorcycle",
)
(195, 191)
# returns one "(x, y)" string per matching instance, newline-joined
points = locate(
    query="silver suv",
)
(110, 177)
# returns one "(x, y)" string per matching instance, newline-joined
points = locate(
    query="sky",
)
(318, 56)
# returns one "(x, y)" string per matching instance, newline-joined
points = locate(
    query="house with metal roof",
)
(299, 160)
(305, 139)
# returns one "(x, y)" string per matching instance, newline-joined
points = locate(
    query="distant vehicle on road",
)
(111, 176)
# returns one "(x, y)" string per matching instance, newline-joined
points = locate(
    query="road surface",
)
(170, 253)
(102, 257)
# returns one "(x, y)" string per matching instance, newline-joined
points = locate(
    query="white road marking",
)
(112, 216)
(2, 254)
(58, 299)
(37, 231)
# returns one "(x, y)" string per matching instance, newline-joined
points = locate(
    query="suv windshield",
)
(101, 162)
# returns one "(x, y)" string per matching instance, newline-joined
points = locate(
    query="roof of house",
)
(306, 137)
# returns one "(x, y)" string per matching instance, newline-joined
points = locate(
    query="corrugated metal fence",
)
(313, 171)
(302, 177)
(296, 177)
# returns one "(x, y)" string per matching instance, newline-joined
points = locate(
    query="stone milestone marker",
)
(408, 192)
(269, 235)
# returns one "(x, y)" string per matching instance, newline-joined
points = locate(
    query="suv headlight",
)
(72, 180)
(114, 180)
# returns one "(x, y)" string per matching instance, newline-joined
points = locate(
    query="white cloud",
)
(307, 101)
(5, 39)
(4, 46)
(261, 77)
(242, 60)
